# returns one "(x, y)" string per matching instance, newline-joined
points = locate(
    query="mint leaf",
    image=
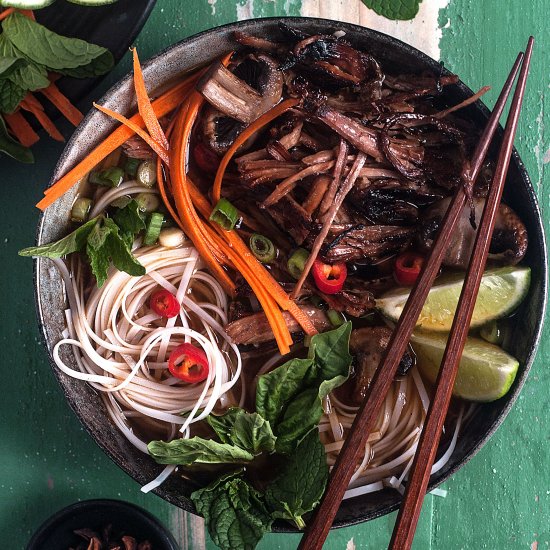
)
(12, 148)
(98, 66)
(235, 514)
(73, 242)
(248, 431)
(130, 219)
(298, 489)
(10, 95)
(8, 64)
(48, 48)
(394, 9)
(119, 251)
(197, 450)
(26, 74)
(99, 260)
(290, 397)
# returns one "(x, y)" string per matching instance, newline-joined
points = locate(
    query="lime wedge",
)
(486, 372)
(501, 291)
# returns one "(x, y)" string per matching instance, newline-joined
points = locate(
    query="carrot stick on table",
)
(31, 104)
(63, 105)
(6, 12)
(21, 129)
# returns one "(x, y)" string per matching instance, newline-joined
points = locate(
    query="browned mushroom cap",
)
(251, 89)
(508, 245)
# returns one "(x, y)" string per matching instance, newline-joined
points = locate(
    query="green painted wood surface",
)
(500, 500)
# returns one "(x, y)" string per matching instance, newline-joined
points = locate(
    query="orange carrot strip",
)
(64, 106)
(166, 103)
(33, 102)
(6, 12)
(266, 118)
(144, 105)
(28, 13)
(42, 117)
(155, 145)
(21, 129)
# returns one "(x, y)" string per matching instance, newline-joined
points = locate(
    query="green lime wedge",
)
(486, 372)
(501, 291)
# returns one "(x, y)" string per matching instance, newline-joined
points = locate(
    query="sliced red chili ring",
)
(188, 363)
(408, 266)
(164, 303)
(205, 158)
(329, 278)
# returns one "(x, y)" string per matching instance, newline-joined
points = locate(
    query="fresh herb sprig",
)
(394, 9)
(288, 410)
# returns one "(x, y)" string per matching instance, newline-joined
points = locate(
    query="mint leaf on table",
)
(249, 431)
(301, 483)
(98, 66)
(290, 397)
(197, 450)
(48, 48)
(10, 95)
(235, 513)
(394, 9)
(27, 74)
(8, 64)
(11, 147)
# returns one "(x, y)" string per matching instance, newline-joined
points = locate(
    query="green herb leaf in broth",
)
(290, 396)
(10, 95)
(234, 512)
(249, 431)
(11, 147)
(298, 489)
(73, 242)
(197, 450)
(130, 219)
(48, 48)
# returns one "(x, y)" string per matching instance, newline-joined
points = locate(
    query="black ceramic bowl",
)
(57, 532)
(198, 50)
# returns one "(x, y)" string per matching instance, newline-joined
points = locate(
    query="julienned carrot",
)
(30, 104)
(21, 129)
(166, 103)
(266, 118)
(155, 145)
(192, 225)
(28, 13)
(6, 12)
(144, 105)
(63, 105)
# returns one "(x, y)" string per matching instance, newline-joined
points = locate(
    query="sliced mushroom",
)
(367, 345)
(219, 130)
(508, 245)
(236, 97)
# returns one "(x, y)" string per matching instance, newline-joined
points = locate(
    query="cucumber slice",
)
(26, 4)
(92, 2)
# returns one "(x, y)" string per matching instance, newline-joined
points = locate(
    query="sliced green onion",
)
(131, 166)
(152, 231)
(297, 262)
(335, 317)
(225, 214)
(262, 248)
(307, 340)
(110, 177)
(491, 333)
(147, 202)
(147, 173)
(121, 202)
(80, 210)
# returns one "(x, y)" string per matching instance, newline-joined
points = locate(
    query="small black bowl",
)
(57, 533)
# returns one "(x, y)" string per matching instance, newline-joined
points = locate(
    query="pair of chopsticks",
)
(407, 519)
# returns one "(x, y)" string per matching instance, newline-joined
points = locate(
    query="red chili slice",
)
(205, 158)
(407, 268)
(164, 303)
(188, 363)
(329, 278)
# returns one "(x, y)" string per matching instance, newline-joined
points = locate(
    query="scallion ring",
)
(225, 214)
(297, 262)
(262, 248)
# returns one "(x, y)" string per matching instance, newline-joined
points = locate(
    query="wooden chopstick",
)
(319, 526)
(419, 476)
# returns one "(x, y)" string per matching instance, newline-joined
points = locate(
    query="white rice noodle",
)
(121, 347)
(389, 453)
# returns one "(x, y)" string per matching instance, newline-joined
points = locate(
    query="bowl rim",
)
(59, 517)
(510, 397)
